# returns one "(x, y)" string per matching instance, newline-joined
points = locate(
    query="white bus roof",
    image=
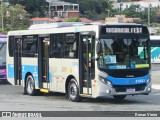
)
(69, 24)
(63, 27)
(54, 25)
(60, 27)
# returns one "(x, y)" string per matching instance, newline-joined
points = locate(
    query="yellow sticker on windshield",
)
(142, 65)
(89, 55)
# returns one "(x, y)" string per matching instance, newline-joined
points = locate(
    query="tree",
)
(33, 7)
(2, 16)
(15, 17)
(93, 9)
(132, 11)
(90, 8)
(76, 19)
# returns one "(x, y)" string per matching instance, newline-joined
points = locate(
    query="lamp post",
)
(2, 15)
(121, 8)
(148, 15)
(49, 7)
(108, 12)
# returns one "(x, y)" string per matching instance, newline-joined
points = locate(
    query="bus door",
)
(87, 62)
(43, 62)
(17, 60)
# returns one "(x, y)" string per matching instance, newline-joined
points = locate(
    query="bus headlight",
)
(148, 81)
(109, 83)
(104, 81)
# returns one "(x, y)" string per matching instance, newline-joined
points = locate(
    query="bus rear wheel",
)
(30, 85)
(73, 91)
(119, 97)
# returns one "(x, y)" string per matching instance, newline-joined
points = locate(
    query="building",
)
(62, 9)
(57, 19)
(38, 20)
(120, 19)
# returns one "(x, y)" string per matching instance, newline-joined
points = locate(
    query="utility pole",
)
(49, 9)
(2, 14)
(149, 16)
(108, 13)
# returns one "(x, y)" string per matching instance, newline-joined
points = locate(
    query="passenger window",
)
(70, 49)
(56, 46)
(29, 47)
(63, 46)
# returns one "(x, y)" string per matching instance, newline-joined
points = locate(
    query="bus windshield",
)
(2, 53)
(124, 53)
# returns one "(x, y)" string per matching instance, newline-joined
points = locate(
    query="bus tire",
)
(30, 85)
(119, 97)
(73, 91)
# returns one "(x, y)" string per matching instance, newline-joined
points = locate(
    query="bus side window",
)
(70, 46)
(56, 46)
(63, 45)
(29, 47)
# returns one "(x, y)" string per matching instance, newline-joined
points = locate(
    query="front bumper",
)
(105, 90)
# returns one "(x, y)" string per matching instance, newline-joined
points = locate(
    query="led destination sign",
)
(112, 30)
(124, 30)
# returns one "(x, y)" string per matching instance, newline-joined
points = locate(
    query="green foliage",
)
(76, 19)
(92, 9)
(18, 15)
(3, 31)
(14, 17)
(89, 14)
(135, 11)
(33, 7)
(88, 8)
(132, 11)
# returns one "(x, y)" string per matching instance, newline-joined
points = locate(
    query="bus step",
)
(44, 90)
(86, 95)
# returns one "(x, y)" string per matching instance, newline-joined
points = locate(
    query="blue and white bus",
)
(81, 60)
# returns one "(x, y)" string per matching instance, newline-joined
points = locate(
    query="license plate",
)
(130, 90)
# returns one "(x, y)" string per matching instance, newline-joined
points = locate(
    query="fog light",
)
(108, 91)
(149, 89)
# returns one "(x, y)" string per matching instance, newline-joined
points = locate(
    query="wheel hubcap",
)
(29, 86)
(73, 91)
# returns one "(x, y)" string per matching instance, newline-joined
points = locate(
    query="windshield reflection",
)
(124, 53)
(3, 53)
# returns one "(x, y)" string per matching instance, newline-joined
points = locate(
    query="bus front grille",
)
(119, 88)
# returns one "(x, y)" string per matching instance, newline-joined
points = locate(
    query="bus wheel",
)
(30, 85)
(119, 97)
(73, 91)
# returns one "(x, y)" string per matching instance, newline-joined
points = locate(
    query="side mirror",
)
(98, 48)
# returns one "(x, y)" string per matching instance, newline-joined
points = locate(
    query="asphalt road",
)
(12, 99)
